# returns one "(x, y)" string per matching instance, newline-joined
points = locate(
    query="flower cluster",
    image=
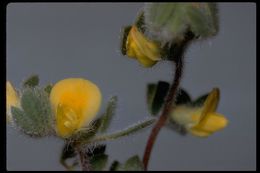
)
(74, 103)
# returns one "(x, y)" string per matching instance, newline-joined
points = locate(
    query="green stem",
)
(120, 133)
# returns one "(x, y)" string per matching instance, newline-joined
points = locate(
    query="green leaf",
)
(156, 95)
(126, 31)
(110, 112)
(68, 152)
(115, 166)
(200, 100)
(182, 97)
(37, 113)
(175, 19)
(98, 162)
(22, 121)
(48, 88)
(97, 157)
(203, 19)
(32, 81)
(133, 164)
(151, 91)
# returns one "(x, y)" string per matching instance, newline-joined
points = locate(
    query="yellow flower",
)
(75, 102)
(201, 121)
(147, 52)
(12, 99)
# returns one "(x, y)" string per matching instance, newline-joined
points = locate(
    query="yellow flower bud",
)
(147, 52)
(201, 121)
(75, 102)
(12, 99)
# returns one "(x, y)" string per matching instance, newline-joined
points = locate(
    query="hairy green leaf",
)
(22, 121)
(133, 164)
(107, 117)
(48, 88)
(168, 22)
(32, 81)
(115, 166)
(37, 112)
(98, 162)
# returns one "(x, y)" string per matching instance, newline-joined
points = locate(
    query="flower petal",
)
(12, 99)
(213, 123)
(146, 62)
(75, 102)
(211, 104)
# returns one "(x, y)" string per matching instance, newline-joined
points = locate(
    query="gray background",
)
(61, 40)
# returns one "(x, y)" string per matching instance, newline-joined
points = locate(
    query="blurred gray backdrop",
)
(61, 40)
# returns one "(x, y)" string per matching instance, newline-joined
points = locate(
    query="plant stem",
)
(85, 164)
(176, 52)
(79, 145)
(164, 116)
(121, 133)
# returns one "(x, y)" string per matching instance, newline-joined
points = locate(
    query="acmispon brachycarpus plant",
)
(69, 109)
(75, 103)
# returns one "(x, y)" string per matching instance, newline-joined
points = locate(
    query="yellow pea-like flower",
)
(75, 102)
(201, 121)
(12, 99)
(146, 51)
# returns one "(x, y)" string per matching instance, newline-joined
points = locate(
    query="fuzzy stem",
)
(176, 52)
(79, 145)
(164, 116)
(120, 133)
(85, 163)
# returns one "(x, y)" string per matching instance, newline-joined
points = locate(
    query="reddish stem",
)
(85, 164)
(164, 116)
(176, 53)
